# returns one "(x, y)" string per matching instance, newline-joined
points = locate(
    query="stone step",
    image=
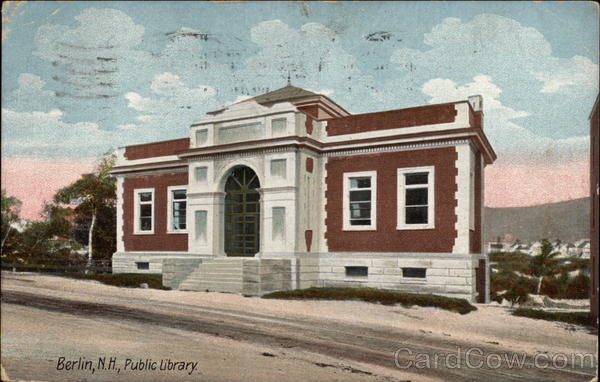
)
(214, 278)
(221, 286)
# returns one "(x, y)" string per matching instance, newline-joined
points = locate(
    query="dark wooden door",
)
(242, 213)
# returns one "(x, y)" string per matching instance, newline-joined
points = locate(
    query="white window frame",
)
(170, 200)
(346, 206)
(136, 210)
(401, 212)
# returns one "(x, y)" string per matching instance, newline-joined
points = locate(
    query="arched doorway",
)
(242, 213)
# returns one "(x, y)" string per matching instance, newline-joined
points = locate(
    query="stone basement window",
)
(357, 271)
(417, 273)
(143, 266)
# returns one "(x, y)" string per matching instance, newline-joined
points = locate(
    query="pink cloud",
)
(510, 185)
(34, 180)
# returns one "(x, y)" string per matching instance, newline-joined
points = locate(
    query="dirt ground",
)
(33, 339)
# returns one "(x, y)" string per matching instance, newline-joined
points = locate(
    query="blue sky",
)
(79, 78)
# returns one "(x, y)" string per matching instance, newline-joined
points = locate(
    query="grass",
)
(129, 280)
(578, 318)
(374, 295)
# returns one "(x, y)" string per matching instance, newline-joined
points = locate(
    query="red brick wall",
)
(387, 238)
(416, 116)
(160, 240)
(157, 149)
(475, 235)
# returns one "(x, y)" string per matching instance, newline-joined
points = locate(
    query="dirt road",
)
(42, 322)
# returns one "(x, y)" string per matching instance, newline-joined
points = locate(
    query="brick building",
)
(290, 190)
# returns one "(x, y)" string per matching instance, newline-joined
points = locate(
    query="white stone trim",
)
(401, 193)
(463, 165)
(120, 242)
(136, 211)
(170, 228)
(346, 200)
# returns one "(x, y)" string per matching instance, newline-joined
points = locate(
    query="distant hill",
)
(567, 221)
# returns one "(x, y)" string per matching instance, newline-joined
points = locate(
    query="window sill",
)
(144, 233)
(415, 227)
(359, 228)
(177, 232)
(413, 280)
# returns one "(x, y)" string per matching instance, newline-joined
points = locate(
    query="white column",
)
(120, 242)
(463, 195)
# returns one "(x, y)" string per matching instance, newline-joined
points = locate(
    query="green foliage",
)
(96, 200)
(549, 273)
(129, 280)
(11, 208)
(578, 318)
(375, 295)
(515, 288)
(578, 287)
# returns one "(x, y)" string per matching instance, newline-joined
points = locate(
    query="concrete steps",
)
(250, 276)
(218, 275)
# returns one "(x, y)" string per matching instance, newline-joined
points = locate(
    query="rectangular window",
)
(357, 271)
(417, 273)
(144, 211)
(177, 209)
(143, 265)
(415, 198)
(360, 200)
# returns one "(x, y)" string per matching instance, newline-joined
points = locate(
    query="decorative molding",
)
(404, 147)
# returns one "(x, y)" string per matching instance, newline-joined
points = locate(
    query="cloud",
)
(497, 46)
(312, 56)
(31, 94)
(510, 139)
(172, 106)
(565, 73)
(88, 59)
(47, 134)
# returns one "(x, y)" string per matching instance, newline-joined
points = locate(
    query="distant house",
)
(495, 247)
(567, 250)
(535, 248)
(582, 248)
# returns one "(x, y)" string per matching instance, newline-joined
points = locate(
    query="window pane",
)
(416, 196)
(179, 194)
(414, 272)
(145, 223)
(146, 210)
(416, 178)
(145, 196)
(416, 215)
(360, 222)
(360, 210)
(360, 182)
(360, 196)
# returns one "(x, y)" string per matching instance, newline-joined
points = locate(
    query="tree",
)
(92, 193)
(11, 207)
(544, 264)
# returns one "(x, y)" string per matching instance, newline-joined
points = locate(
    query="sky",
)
(82, 78)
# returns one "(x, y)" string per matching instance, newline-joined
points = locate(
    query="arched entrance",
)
(242, 213)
